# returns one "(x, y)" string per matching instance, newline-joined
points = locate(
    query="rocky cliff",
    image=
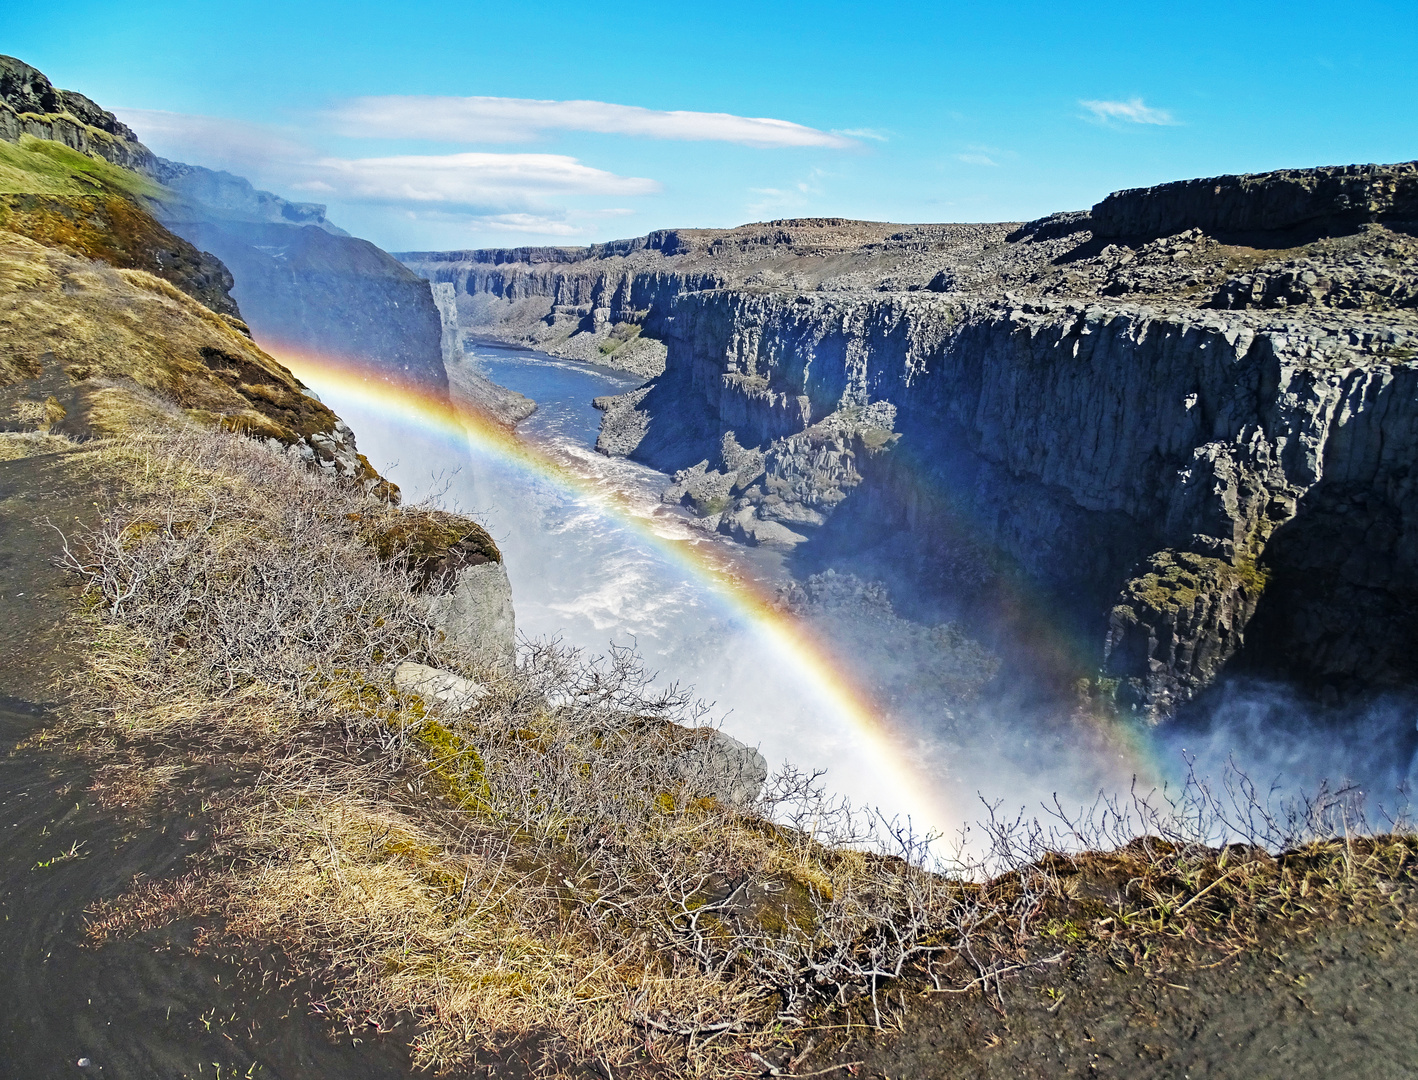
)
(1185, 418)
(303, 284)
(31, 105)
(305, 289)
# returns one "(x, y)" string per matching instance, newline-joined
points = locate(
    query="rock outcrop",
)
(1193, 443)
(476, 613)
(31, 105)
(445, 688)
(1324, 202)
(458, 568)
(713, 761)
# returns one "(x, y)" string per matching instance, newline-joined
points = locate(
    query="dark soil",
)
(149, 1006)
(1335, 999)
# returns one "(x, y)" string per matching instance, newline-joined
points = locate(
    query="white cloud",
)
(212, 140)
(987, 156)
(494, 183)
(502, 120)
(526, 223)
(862, 133)
(1132, 112)
(473, 179)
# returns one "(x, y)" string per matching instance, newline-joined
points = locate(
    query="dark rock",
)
(31, 105)
(1324, 201)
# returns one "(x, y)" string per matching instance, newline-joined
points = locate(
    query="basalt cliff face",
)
(1186, 419)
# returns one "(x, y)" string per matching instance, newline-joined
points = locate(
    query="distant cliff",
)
(1187, 416)
(305, 284)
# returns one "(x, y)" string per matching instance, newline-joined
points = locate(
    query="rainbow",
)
(793, 643)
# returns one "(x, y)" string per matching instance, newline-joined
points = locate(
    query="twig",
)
(1206, 890)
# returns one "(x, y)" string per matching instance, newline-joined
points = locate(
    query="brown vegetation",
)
(537, 872)
(121, 350)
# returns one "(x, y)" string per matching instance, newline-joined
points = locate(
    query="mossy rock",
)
(433, 544)
(620, 334)
(1174, 580)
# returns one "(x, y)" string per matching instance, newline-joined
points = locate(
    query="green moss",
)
(1176, 579)
(709, 507)
(39, 166)
(429, 541)
(456, 765)
(876, 438)
(620, 334)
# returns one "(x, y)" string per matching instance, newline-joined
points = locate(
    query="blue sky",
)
(471, 124)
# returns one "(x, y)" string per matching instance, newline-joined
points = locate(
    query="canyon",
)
(1180, 424)
(287, 796)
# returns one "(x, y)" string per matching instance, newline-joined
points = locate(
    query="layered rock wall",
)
(1126, 457)
(1327, 201)
(1193, 449)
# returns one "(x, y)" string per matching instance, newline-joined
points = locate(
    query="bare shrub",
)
(539, 867)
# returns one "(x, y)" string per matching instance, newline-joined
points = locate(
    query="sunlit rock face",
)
(476, 613)
(1182, 422)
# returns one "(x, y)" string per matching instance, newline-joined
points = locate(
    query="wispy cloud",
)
(989, 156)
(1133, 111)
(863, 133)
(213, 141)
(504, 120)
(510, 183)
(473, 179)
(538, 224)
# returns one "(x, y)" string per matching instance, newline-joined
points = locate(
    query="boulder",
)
(732, 771)
(477, 613)
(436, 685)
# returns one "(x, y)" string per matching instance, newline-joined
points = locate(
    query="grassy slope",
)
(38, 166)
(89, 207)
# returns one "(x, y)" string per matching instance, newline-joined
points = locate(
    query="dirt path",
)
(143, 1007)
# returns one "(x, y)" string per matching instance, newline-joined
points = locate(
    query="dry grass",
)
(542, 870)
(23, 444)
(99, 328)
